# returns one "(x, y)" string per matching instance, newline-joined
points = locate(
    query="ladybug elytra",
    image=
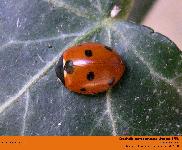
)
(89, 68)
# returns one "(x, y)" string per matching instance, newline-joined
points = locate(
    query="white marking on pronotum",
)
(64, 72)
(109, 111)
(26, 111)
(64, 62)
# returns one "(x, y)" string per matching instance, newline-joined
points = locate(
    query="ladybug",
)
(89, 68)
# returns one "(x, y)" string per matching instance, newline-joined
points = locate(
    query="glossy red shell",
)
(90, 68)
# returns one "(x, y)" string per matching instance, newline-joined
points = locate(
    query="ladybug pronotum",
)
(89, 68)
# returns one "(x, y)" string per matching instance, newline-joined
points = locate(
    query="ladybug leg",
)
(111, 82)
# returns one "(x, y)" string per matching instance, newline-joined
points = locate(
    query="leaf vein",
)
(62, 36)
(98, 122)
(110, 113)
(155, 74)
(69, 8)
(152, 71)
(178, 76)
(29, 84)
(25, 114)
(45, 69)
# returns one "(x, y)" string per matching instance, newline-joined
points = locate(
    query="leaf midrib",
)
(151, 69)
(50, 64)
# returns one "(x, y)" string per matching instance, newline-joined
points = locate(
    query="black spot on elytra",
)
(68, 67)
(90, 76)
(83, 89)
(111, 81)
(88, 53)
(108, 48)
(59, 70)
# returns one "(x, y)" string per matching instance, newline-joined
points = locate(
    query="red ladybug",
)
(89, 68)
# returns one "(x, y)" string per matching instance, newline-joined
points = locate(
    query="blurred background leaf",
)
(140, 9)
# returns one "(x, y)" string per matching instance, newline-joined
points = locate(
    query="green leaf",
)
(147, 101)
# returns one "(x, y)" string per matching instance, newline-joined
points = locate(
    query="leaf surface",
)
(147, 101)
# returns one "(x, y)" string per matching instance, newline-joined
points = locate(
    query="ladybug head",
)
(60, 70)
